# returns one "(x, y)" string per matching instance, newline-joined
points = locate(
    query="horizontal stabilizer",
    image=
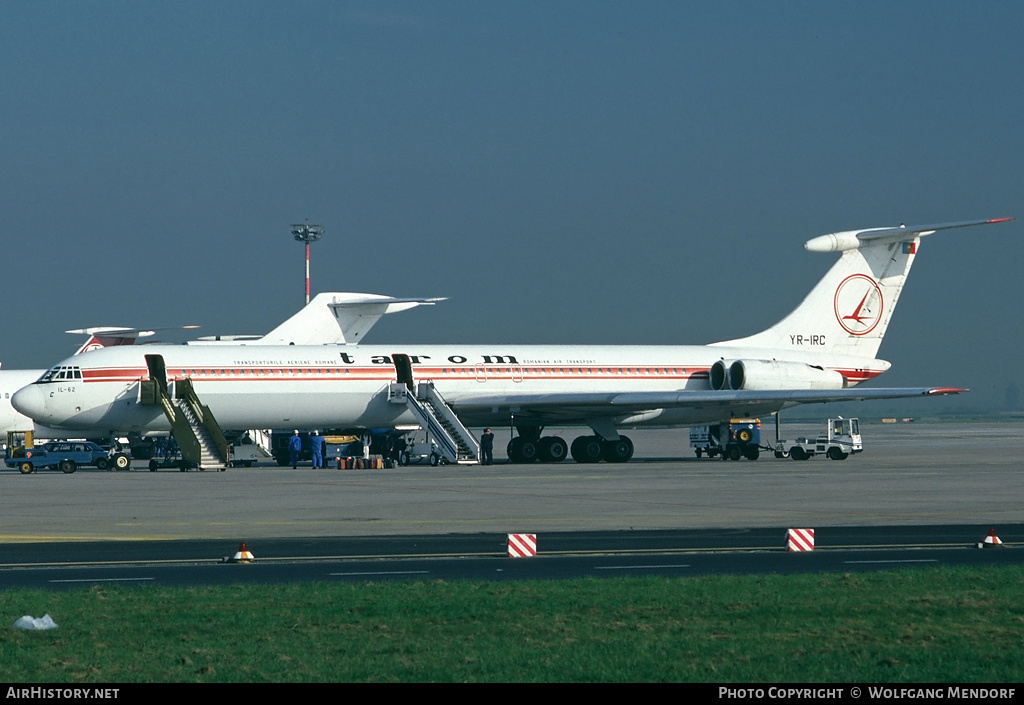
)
(855, 239)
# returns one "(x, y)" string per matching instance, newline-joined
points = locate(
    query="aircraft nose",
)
(30, 401)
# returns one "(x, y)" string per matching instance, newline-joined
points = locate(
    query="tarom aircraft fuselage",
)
(347, 386)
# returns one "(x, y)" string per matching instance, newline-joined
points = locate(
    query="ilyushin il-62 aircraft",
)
(820, 352)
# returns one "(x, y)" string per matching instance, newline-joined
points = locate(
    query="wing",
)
(694, 407)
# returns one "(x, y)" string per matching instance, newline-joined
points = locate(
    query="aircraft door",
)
(157, 370)
(403, 370)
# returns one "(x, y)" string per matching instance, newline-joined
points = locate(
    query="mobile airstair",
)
(193, 426)
(455, 442)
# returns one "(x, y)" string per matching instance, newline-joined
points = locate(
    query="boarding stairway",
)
(193, 426)
(455, 442)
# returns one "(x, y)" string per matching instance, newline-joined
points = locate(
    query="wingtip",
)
(999, 220)
(946, 390)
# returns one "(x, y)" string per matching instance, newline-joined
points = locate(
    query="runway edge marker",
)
(522, 545)
(241, 556)
(800, 540)
(990, 540)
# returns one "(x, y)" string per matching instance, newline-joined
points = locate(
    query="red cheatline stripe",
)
(249, 374)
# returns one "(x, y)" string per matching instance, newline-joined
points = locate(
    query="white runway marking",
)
(632, 567)
(383, 572)
(101, 580)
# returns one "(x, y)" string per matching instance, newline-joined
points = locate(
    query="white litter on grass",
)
(27, 622)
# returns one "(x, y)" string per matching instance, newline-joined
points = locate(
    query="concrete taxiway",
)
(909, 474)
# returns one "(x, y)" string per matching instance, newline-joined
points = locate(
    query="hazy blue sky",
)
(577, 172)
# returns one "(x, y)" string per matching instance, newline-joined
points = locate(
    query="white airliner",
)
(331, 317)
(818, 353)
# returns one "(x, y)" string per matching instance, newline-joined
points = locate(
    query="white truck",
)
(841, 438)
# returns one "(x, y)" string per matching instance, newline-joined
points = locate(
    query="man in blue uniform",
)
(317, 445)
(294, 449)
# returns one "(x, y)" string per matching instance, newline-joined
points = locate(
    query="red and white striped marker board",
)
(522, 545)
(800, 540)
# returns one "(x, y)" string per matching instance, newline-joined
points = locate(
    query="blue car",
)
(65, 455)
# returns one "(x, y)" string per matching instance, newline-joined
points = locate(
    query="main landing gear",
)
(529, 446)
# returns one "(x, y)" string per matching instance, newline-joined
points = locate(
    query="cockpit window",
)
(60, 373)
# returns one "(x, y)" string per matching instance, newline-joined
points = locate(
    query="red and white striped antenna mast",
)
(307, 233)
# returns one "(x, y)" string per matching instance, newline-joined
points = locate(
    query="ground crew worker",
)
(295, 448)
(486, 447)
(317, 445)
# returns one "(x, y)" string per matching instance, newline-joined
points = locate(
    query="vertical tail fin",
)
(849, 310)
(338, 317)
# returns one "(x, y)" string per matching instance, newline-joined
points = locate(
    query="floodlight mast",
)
(307, 233)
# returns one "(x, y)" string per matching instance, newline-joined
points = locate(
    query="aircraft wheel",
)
(529, 451)
(587, 449)
(836, 454)
(25, 468)
(574, 449)
(67, 466)
(512, 450)
(121, 461)
(620, 451)
(553, 449)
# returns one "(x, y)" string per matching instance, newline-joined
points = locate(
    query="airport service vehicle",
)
(739, 438)
(65, 455)
(246, 453)
(821, 352)
(420, 447)
(840, 439)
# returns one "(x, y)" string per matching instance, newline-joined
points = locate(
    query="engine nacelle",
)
(718, 375)
(774, 374)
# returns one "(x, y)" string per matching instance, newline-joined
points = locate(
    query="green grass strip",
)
(927, 625)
